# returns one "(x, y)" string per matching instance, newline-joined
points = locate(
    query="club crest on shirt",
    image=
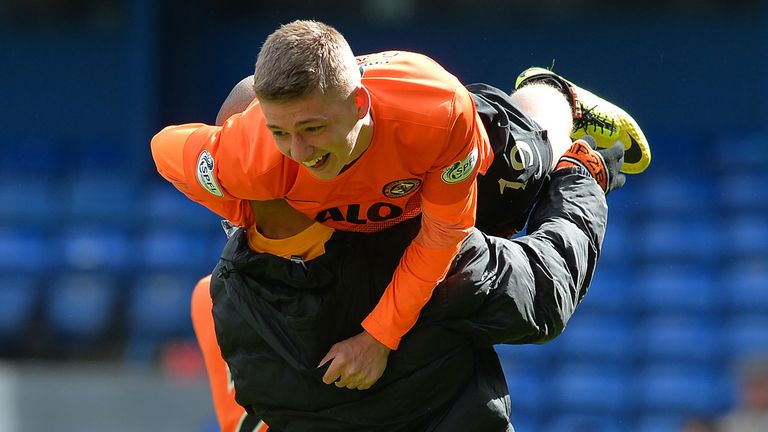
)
(205, 177)
(461, 170)
(401, 188)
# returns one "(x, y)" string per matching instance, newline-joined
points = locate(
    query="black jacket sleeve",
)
(525, 290)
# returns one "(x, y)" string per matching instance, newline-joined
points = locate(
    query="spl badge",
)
(401, 188)
(205, 177)
(461, 170)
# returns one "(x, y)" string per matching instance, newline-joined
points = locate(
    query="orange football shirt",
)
(427, 148)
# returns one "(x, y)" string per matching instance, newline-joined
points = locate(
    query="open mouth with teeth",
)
(317, 162)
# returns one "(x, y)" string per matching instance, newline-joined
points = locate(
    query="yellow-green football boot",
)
(595, 116)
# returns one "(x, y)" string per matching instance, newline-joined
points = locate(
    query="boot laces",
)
(590, 119)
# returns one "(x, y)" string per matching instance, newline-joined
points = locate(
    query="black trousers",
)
(522, 156)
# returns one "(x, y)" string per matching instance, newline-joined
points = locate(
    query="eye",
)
(279, 134)
(313, 129)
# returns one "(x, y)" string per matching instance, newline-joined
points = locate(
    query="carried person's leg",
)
(597, 117)
(528, 132)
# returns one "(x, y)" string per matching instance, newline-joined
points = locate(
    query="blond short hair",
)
(301, 57)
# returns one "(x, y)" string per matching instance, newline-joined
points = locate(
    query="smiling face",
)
(319, 131)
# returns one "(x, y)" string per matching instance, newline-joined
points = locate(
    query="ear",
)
(362, 101)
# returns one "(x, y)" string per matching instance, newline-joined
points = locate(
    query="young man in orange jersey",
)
(360, 155)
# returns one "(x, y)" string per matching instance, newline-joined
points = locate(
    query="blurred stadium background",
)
(98, 255)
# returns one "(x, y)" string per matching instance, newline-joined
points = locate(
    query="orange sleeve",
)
(224, 167)
(449, 201)
(228, 412)
(168, 152)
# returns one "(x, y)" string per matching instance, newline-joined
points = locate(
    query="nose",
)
(300, 151)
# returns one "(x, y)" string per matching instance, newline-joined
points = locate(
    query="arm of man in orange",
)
(168, 150)
(191, 157)
(448, 206)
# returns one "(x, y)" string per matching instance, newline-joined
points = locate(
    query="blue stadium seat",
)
(609, 291)
(617, 247)
(745, 236)
(165, 206)
(158, 310)
(751, 154)
(94, 248)
(81, 307)
(743, 192)
(676, 289)
(19, 297)
(158, 304)
(677, 152)
(683, 239)
(526, 388)
(674, 193)
(584, 423)
(528, 354)
(590, 388)
(678, 338)
(172, 249)
(27, 201)
(30, 155)
(101, 197)
(599, 337)
(524, 423)
(23, 249)
(217, 239)
(111, 154)
(623, 207)
(745, 286)
(659, 423)
(746, 335)
(679, 389)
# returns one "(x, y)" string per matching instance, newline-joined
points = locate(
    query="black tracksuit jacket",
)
(276, 318)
